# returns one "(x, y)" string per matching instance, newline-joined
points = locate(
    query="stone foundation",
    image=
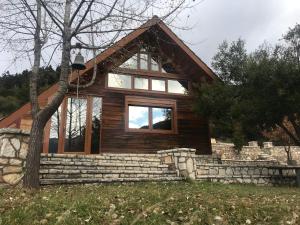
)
(13, 152)
(166, 165)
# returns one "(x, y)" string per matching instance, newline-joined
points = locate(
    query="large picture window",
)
(75, 126)
(150, 115)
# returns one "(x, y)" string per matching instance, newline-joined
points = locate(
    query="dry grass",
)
(151, 203)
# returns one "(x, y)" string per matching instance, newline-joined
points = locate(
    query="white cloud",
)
(213, 21)
(158, 119)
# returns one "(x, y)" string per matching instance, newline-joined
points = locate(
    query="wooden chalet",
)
(141, 100)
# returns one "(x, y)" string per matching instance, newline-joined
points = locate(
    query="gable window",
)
(178, 87)
(158, 85)
(143, 60)
(154, 65)
(150, 115)
(141, 83)
(131, 63)
(119, 80)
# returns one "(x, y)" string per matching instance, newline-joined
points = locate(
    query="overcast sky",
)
(213, 21)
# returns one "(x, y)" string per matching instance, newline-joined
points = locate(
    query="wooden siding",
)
(193, 132)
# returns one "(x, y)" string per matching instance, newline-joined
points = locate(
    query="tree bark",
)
(31, 177)
(40, 117)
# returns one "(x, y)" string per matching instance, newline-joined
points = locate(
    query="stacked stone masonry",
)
(166, 165)
(13, 152)
(72, 168)
(254, 152)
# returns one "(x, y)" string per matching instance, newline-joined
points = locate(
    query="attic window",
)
(143, 60)
(131, 63)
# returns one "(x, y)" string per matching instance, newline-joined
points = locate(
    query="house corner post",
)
(182, 159)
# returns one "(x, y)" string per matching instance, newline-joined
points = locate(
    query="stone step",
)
(106, 175)
(107, 180)
(105, 171)
(100, 163)
(86, 169)
(120, 157)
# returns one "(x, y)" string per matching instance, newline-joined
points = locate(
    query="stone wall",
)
(75, 168)
(254, 152)
(13, 151)
(259, 175)
(253, 165)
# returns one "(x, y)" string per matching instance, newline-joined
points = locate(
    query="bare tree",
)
(38, 27)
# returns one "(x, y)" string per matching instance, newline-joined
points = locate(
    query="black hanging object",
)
(78, 63)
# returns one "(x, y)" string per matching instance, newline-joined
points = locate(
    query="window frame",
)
(62, 127)
(151, 103)
(148, 61)
(149, 90)
(121, 74)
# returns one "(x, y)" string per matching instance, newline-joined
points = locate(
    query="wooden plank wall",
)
(193, 132)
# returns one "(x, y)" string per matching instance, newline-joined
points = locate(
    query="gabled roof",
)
(154, 22)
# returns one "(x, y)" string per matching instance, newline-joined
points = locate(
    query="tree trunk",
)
(31, 177)
(40, 117)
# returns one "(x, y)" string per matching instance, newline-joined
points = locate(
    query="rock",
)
(23, 151)
(190, 165)
(218, 218)
(12, 179)
(248, 221)
(7, 149)
(44, 221)
(12, 169)
(1, 179)
(3, 161)
(222, 172)
(15, 162)
(16, 143)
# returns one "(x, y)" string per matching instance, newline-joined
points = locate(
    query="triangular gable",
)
(106, 54)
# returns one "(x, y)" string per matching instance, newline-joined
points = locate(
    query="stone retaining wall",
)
(166, 165)
(260, 175)
(254, 152)
(13, 151)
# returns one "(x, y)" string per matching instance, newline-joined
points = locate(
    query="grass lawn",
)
(151, 203)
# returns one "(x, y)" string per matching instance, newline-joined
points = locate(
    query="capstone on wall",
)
(13, 152)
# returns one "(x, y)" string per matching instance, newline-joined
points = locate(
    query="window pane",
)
(138, 117)
(143, 61)
(75, 125)
(179, 87)
(154, 65)
(163, 70)
(54, 131)
(119, 81)
(130, 63)
(158, 85)
(96, 124)
(141, 83)
(162, 118)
